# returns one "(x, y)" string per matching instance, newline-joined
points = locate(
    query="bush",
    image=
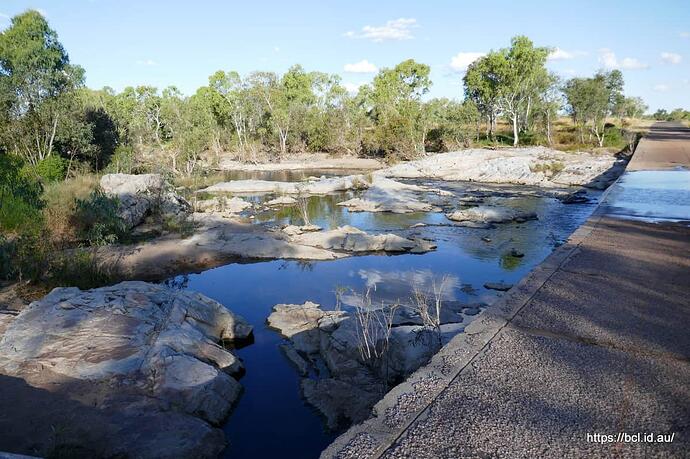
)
(52, 169)
(19, 194)
(96, 219)
(122, 161)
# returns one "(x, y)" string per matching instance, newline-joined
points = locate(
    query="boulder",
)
(139, 194)
(132, 350)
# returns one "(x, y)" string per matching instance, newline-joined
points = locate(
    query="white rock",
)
(508, 165)
(139, 194)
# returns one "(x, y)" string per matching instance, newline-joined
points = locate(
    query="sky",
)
(181, 43)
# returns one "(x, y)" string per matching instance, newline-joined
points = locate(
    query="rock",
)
(386, 195)
(294, 230)
(282, 201)
(315, 187)
(138, 195)
(302, 322)
(133, 350)
(511, 165)
(351, 239)
(501, 286)
(340, 402)
(577, 197)
(516, 253)
(486, 239)
(410, 347)
(490, 214)
(233, 205)
(299, 362)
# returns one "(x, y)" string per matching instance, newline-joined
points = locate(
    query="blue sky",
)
(161, 43)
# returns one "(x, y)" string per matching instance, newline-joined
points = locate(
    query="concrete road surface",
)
(589, 356)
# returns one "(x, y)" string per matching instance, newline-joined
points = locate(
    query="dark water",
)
(271, 419)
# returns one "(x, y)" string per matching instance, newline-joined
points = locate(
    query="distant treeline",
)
(55, 125)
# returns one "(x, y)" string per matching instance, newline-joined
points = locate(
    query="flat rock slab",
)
(350, 239)
(525, 166)
(140, 357)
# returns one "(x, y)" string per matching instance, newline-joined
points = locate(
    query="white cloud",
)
(461, 61)
(671, 58)
(149, 62)
(363, 66)
(396, 29)
(609, 60)
(661, 87)
(353, 87)
(559, 54)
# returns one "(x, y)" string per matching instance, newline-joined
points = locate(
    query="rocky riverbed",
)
(154, 361)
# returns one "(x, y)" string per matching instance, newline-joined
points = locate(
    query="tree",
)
(629, 107)
(481, 83)
(591, 100)
(36, 81)
(394, 101)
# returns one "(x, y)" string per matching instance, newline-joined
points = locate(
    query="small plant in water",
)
(429, 306)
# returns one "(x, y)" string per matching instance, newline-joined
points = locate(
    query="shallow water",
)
(653, 196)
(271, 419)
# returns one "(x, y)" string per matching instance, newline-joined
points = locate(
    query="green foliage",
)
(122, 161)
(591, 100)
(19, 194)
(52, 169)
(97, 221)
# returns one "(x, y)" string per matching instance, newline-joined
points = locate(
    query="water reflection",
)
(271, 419)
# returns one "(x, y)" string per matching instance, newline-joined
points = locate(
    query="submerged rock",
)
(142, 355)
(491, 214)
(138, 195)
(500, 286)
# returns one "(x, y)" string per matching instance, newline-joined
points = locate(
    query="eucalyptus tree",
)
(36, 81)
(591, 100)
(396, 108)
(482, 83)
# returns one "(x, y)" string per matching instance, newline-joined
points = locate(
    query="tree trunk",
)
(548, 128)
(515, 130)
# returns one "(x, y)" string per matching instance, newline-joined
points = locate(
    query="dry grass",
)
(60, 201)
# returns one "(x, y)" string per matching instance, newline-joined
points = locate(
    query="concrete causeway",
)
(588, 356)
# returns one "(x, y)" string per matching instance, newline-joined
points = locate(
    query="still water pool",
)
(271, 418)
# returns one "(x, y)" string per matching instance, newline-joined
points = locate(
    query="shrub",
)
(52, 168)
(96, 219)
(122, 160)
(19, 194)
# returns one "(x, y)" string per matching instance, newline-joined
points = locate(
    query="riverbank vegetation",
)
(57, 135)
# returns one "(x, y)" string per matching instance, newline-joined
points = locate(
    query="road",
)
(585, 357)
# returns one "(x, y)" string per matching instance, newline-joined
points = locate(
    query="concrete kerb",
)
(408, 402)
